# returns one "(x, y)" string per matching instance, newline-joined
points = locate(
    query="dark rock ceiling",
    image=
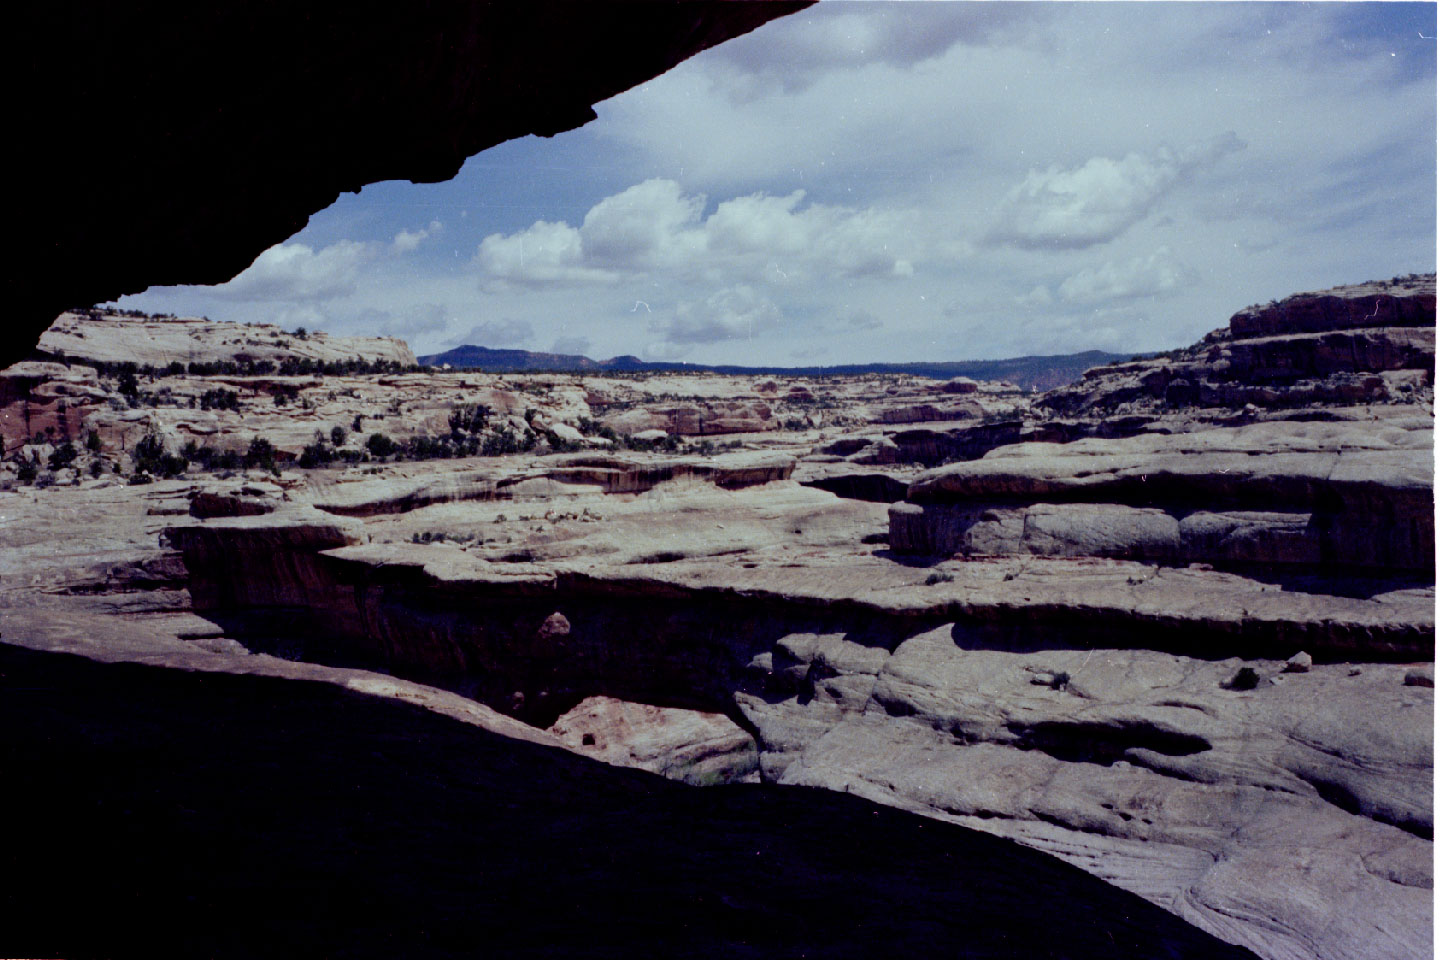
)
(162, 144)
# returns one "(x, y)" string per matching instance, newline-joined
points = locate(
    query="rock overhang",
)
(167, 148)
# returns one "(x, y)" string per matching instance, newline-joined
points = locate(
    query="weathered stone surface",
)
(698, 748)
(1322, 493)
(1373, 343)
(1188, 649)
(110, 338)
(927, 412)
(695, 419)
(473, 841)
(1410, 302)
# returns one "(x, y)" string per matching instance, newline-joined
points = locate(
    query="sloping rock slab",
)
(250, 812)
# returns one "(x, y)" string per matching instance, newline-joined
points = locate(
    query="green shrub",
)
(261, 453)
(219, 399)
(316, 455)
(380, 445)
(63, 456)
(559, 444)
(470, 419)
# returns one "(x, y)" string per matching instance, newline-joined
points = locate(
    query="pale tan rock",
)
(689, 745)
(1051, 662)
(118, 339)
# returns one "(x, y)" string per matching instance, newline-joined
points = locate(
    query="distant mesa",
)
(1037, 373)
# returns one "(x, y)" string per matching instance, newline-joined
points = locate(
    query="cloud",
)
(571, 345)
(649, 225)
(409, 324)
(653, 226)
(407, 242)
(1099, 200)
(795, 51)
(665, 350)
(1148, 276)
(544, 254)
(758, 223)
(1039, 296)
(295, 271)
(733, 313)
(860, 319)
(301, 316)
(498, 333)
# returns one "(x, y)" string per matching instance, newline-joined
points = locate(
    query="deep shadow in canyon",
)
(294, 817)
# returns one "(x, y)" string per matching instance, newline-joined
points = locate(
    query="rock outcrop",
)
(1371, 343)
(1309, 495)
(338, 812)
(99, 337)
(695, 419)
(1183, 644)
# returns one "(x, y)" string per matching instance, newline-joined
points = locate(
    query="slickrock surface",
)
(109, 338)
(1179, 642)
(235, 816)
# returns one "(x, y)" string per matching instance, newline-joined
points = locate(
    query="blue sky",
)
(908, 181)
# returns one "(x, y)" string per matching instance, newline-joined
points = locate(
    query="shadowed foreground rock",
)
(294, 818)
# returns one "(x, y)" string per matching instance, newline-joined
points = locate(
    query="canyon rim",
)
(318, 640)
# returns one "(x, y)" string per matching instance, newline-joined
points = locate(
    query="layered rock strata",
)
(1186, 648)
(1286, 495)
(1369, 343)
(1093, 708)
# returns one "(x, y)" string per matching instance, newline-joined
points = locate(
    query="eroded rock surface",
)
(1181, 643)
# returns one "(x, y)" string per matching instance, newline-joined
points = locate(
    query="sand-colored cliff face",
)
(98, 337)
(1184, 644)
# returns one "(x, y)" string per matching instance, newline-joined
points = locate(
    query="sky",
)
(904, 181)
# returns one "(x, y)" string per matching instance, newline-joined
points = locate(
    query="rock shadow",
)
(159, 811)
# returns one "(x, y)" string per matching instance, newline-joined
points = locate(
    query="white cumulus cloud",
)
(407, 241)
(654, 226)
(544, 254)
(296, 271)
(759, 223)
(734, 313)
(1147, 276)
(1099, 200)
